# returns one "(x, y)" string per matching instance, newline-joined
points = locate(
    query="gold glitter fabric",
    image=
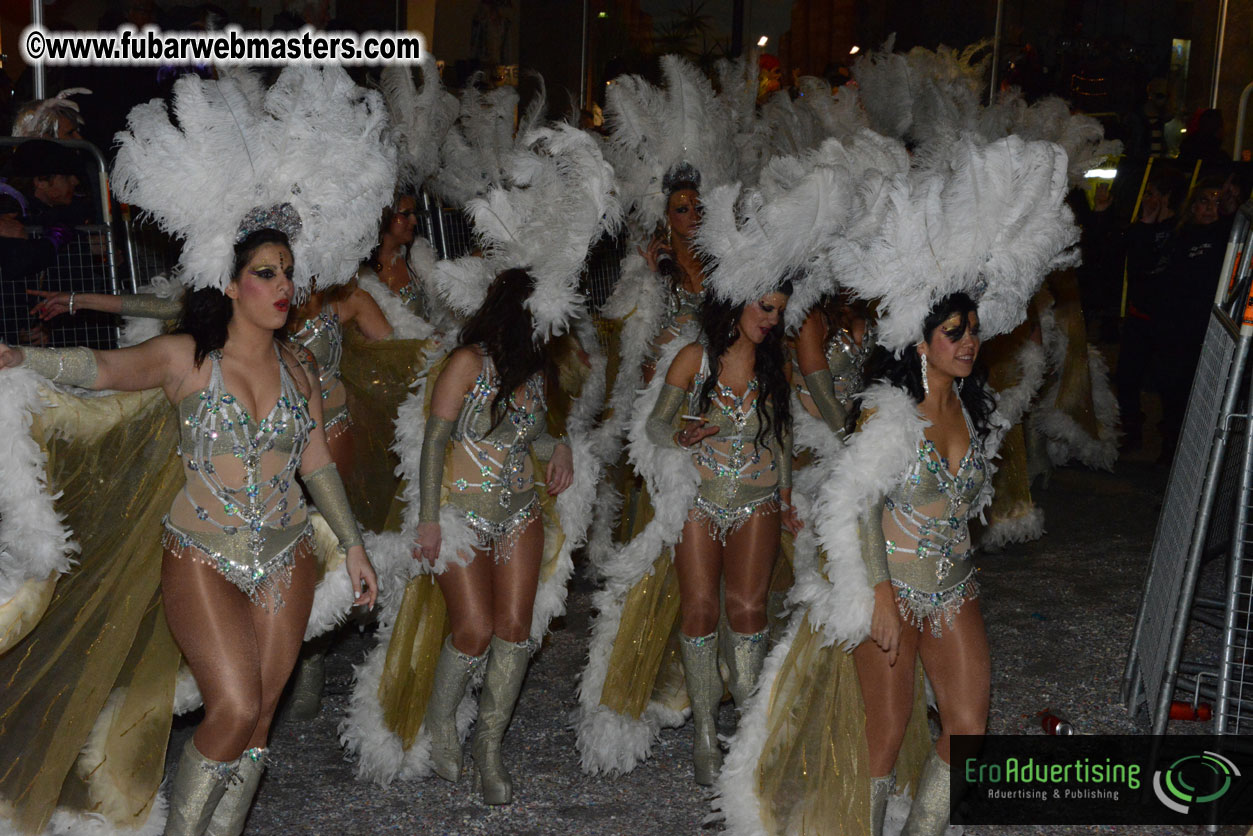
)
(812, 776)
(70, 366)
(323, 335)
(101, 663)
(377, 377)
(151, 306)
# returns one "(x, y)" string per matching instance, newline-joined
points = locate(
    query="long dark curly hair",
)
(207, 312)
(905, 372)
(720, 326)
(503, 327)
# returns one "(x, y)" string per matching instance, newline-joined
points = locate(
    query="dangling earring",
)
(960, 382)
(926, 387)
(669, 234)
(732, 334)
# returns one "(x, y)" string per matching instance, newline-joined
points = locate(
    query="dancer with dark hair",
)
(739, 432)
(238, 561)
(487, 414)
(239, 570)
(831, 352)
(916, 546)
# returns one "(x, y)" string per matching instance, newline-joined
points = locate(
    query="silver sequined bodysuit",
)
(922, 541)
(242, 511)
(489, 475)
(324, 337)
(682, 306)
(847, 362)
(738, 476)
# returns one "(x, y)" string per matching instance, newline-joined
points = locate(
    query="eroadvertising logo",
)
(1178, 785)
(1108, 779)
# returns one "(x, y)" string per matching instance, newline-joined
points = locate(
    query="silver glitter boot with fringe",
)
(745, 657)
(929, 814)
(232, 810)
(452, 674)
(880, 791)
(197, 788)
(704, 691)
(506, 668)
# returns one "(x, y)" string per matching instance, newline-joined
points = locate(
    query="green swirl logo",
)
(1179, 786)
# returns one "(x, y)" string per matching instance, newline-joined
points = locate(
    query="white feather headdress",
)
(476, 151)
(556, 203)
(986, 220)
(314, 142)
(420, 119)
(801, 221)
(652, 130)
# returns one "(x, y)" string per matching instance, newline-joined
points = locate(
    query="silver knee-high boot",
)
(745, 657)
(232, 810)
(929, 814)
(452, 674)
(195, 791)
(308, 682)
(880, 791)
(704, 691)
(506, 668)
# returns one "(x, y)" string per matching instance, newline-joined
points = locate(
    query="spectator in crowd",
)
(1182, 300)
(54, 118)
(1146, 246)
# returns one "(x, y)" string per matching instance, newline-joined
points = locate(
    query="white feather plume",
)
(316, 141)
(420, 119)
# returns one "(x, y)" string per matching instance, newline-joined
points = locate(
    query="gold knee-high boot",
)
(195, 791)
(929, 814)
(704, 691)
(452, 674)
(232, 810)
(506, 668)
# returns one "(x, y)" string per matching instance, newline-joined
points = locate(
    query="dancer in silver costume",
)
(670, 255)
(739, 432)
(487, 415)
(238, 572)
(831, 352)
(916, 546)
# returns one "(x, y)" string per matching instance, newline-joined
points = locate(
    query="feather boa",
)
(406, 325)
(35, 542)
(607, 741)
(1066, 440)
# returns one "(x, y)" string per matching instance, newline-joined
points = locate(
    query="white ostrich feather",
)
(420, 120)
(653, 129)
(315, 141)
(756, 240)
(985, 220)
(557, 203)
(476, 151)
